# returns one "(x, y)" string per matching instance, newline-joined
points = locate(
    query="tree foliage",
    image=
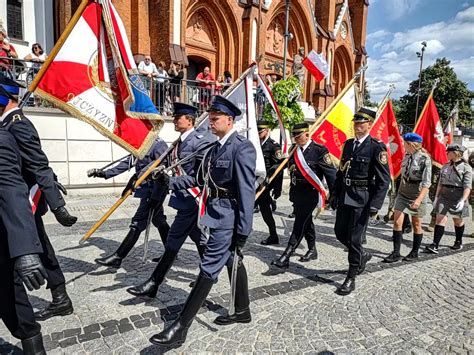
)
(286, 94)
(449, 90)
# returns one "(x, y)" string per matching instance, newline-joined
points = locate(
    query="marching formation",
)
(210, 176)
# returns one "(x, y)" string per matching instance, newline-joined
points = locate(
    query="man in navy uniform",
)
(361, 185)
(184, 201)
(273, 157)
(304, 195)
(143, 192)
(20, 248)
(36, 170)
(227, 174)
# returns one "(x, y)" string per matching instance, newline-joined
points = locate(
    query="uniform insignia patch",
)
(327, 159)
(292, 168)
(16, 118)
(383, 158)
(222, 164)
(278, 154)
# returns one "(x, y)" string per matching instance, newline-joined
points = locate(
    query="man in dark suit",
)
(272, 155)
(227, 175)
(361, 186)
(20, 248)
(143, 192)
(184, 201)
(303, 193)
(36, 170)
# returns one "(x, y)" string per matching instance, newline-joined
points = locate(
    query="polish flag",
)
(35, 195)
(316, 65)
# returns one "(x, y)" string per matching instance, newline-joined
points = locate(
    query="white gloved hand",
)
(459, 206)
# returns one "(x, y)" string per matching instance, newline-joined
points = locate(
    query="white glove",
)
(459, 206)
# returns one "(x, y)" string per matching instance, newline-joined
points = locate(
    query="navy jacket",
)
(232, 168)
(18, 234)
(35, 168)
(156, 150)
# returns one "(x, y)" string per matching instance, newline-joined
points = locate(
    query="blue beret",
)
(412, 137)
(4, 96)
(180, 109)
(221, 104)
(11, 86)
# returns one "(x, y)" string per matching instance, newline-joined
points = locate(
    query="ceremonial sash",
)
(35, 195)
(178, 171)
(310, 176)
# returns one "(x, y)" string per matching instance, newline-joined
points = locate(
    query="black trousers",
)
(264, 204)
(48, 258)
(304, 226)
(15, 308)
(351, 223)
(140, 218)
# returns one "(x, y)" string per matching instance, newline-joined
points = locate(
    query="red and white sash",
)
(310, 176)
(178, 171)
(35, 195)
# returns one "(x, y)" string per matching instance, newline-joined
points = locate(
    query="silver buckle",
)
(348, 182)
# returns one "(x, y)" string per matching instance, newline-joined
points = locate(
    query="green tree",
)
(286, 94)
(449, 90)
(367, 99)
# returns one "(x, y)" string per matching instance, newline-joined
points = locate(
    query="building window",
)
(14, 19)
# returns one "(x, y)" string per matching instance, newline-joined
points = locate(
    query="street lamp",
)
(419, 55)
(287, 36)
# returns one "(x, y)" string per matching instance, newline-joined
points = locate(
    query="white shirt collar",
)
(265, 140)
(362, 139)
(306, 145)
(184, 135)
(224, 139)
(6, 113)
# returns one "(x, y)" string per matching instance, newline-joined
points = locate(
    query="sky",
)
(395, 30)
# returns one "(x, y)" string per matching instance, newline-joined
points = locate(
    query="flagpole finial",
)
(435, 84)
(359, 71)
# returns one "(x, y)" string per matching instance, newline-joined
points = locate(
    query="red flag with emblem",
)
(385, 129)
(430, 129)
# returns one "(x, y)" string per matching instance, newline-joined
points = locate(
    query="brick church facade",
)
(226, 35)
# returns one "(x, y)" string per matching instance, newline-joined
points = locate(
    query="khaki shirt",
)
(457, 174)
(416, 167)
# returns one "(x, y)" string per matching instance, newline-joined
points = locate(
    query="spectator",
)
(219, 85)
(148, 68)
(176, 74)
(161, 79)
(205, 80)
(6, 51)
(37, 57)
(227, 80)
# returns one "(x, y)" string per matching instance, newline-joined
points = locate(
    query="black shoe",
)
(291, 215)
(156, 260)
(33, 345)
(256, 209)
(457, 245)
(432, 248)
(347, 287)
(365, 259)
(175, 334)
(271, 240)
(392, 258)
(238, 317)
(283, 261)
(311, 254)
(113, 261)
(149, 288)
(273, 204)
(61, 305)
(412, 256)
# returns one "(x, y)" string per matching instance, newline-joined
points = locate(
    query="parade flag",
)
(316, 65)
(94, 78)
(429, 128)
(271, 100)
(385, 129)
(450, 124)
(337, 127)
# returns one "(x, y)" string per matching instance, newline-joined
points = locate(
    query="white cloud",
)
(396, 9)
(395, 60)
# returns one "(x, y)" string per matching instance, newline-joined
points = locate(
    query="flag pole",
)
(435, 84)
(67, 31)
(314, 127)
(383, 103)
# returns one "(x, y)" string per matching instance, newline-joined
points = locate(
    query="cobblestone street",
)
(421, 307)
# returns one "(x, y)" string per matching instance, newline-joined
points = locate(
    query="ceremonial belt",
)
(222, 193)
(453, 187)
(352, 182)
(408, 181)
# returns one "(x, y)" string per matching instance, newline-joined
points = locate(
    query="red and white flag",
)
(385, 129)
(450, 124)
(310, 176)
(429, 128)
(35, 195)
(94, 78)
(316, 65)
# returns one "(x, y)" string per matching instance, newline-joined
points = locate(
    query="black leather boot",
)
(284, 260)
(397, 242)
(271, 240)
(347, 287)
(115, 260)
(175, 334)
(150, 287)
(61, 304)
(311, 254)
(366, 256)
(33, 345)
(242, 301)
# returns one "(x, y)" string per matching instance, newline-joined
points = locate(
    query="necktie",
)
(408, 167)
(356, 145)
